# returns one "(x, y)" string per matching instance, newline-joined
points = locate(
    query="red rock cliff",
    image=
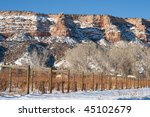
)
(93, 27)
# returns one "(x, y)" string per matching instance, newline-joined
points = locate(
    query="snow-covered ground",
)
(129, 94)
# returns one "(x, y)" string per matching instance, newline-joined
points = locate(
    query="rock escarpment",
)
(28, 38)
(93, 27)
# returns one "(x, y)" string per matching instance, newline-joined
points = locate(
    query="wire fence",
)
(24, 79)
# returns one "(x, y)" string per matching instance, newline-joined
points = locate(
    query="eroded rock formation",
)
(94, 27)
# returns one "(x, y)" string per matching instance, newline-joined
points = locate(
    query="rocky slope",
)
(42, 39)
(94, 27)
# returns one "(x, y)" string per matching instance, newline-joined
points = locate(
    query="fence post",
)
(110, 82)
(32, 73)
(142, 82)
(102, 86)
(42, 87)
(75, 87)
(116, 82)
(124, 86)
(68, 85)
(82, 82)
(93, 80)
(126, 82)
(62, 86)
(122, 83)
(75, 83)
(138, 83)
(132, 83)
(146, 82)
(96, 87)
(28, 79)
(50, 80)
(58, 86)
(62, 82)
(10, 79)
(129, 83)
(99, 77)
(135, 83)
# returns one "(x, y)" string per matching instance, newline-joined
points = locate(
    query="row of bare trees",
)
(124, 59)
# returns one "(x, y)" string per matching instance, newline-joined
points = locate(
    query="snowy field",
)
(130, 94)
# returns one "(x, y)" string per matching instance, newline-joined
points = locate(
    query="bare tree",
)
(87, 57)
(40, 57)
(130, 59)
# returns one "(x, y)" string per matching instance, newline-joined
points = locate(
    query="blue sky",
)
(120, 8)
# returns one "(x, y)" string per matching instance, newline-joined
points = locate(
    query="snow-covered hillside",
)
(116, 41)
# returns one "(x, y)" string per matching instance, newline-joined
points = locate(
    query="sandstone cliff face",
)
(60, 28)
(51, 35)
(35, 24)
(94, 27)
(11, 22)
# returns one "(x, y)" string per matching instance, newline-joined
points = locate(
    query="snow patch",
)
(42, 19)
(24, 60)
(128, 94)
(131, 76)
(76, 22)
(51, 19)
(62, 64)
(132, 28)
(86, 25)
(33, 17)
(103, 42)
(70, 41)
(19, 36)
